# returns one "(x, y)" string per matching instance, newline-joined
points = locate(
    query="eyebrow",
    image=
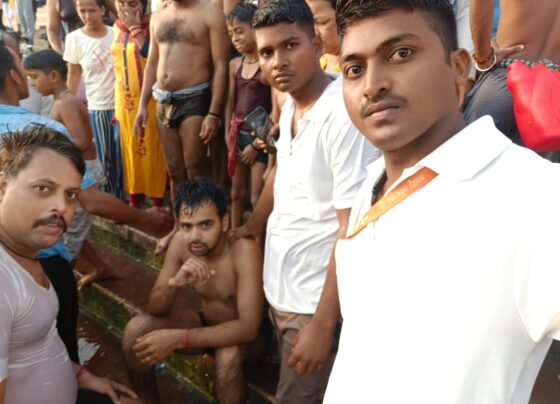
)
(289, 39)
(383, 45)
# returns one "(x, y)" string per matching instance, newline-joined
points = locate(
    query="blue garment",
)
(15, 118)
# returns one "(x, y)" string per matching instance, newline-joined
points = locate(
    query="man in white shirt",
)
(457, 257)
(320, 165)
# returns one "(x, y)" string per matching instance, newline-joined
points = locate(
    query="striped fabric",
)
(107, 143)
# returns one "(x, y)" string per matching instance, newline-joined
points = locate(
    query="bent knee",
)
(228, 356)
(137, 327)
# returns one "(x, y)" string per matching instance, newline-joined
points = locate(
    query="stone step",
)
(113, 302)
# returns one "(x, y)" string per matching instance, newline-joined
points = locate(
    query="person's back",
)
(535, 24)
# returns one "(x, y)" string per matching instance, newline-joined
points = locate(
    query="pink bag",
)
(536, 105)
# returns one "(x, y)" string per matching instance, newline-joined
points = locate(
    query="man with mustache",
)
(320, 164)
(450, 266)
(40, 175)
(227, 277)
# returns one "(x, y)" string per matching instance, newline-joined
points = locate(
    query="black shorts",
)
(180, 108)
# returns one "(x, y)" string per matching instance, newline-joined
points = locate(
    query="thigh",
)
(193, 149)
(257, 182)
(171, 146)
(292, 387)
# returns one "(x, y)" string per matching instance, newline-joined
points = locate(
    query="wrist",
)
(215, 116)
(254, 147)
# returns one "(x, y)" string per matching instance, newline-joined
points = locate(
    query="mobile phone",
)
(259, 121)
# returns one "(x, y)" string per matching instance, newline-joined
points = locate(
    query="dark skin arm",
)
(75, 118)
(155, 346)
(219, 51)
(481, 15)
(53, 26)
(149, 81)
(74, 74)
(233, 66)
(163, 293)
(314, 342)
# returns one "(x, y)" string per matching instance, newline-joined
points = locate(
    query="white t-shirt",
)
(94, 56)
(458, 285)
(318, 171)
(33, 358)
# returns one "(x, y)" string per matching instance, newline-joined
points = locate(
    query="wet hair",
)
(242, 12)
(7, 64)
(439, 13)
(47, 61)
(274, 12)
(17, 148)
(194, 194)
(333, 3)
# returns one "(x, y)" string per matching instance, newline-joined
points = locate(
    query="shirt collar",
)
(12, 109)
(468, 152)
(461, 157)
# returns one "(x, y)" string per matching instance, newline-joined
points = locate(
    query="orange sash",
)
(402, 191)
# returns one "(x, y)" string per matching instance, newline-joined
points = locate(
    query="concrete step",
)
(113, 302)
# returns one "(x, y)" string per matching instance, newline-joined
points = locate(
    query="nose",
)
(195, 234)
(377, 82)
(279, 60)
(59, 203)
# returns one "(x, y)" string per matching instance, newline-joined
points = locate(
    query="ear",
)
(461, 65)
(3, 184)
(53, 76)
(317, 45)
(225, 222)
(16, 77)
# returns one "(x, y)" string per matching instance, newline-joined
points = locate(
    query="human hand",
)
(499, 54)
(311, 349)
(140, 121)
(244, 231)
(158, 345)
(155, 221)
(194, 270)
(248, 155)
(128, 16)
(105, 386)
(209, 128)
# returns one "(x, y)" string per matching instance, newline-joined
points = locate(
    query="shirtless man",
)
(225, 5)
(516, 39)
(227, 277)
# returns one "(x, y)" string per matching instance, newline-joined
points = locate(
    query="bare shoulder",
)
(246, 255)
(235, 63)
(212, 14)
(177, 249)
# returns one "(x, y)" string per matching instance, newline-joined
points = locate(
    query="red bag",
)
(536, 105)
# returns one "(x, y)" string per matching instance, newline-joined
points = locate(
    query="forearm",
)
(264, 205)
(73, 80)
(161, 300)
(97, 202)
(149, 81)
(328, 310)
(53, 36)
(481, 14)
(219, 84)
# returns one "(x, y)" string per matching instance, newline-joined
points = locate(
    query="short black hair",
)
(273, 12)
(100, 3)
(193, 194)
(7, 64)
(440, 15)
(242, 12)
(47, 61)
(17, 148)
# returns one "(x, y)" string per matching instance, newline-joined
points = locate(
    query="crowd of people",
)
(371, 203)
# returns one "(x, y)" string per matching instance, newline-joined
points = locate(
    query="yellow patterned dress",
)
(144, 169)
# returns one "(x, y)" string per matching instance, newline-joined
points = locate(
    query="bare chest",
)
(176, 30)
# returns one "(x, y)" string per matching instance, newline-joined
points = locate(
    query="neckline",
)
(18, 266)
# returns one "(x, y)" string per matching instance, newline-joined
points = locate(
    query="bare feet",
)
(96, 275)
(163, 243)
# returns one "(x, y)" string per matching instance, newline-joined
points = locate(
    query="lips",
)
(380, 107)
(280, 77)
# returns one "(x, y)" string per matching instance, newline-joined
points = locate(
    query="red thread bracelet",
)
(80, 372)
(186, 339)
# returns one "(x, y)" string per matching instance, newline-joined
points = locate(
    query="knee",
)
(137, 326)
(228, 358)
(237, 194)
(177, 173)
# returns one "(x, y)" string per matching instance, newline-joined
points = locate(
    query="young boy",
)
(47, 72)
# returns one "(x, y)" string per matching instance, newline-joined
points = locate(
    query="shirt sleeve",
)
(349, 154)
(6, 320)
(71, 49)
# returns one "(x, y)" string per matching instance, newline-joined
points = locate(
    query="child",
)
(247, 90)
(144, 169)
(88, 51)
(47, 72)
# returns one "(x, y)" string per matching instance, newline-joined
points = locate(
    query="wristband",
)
(134, 27)
(482, 70)
(215, 116)
(80, 372)
(186, 338)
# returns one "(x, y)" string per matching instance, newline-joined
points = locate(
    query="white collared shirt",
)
(318, 171)
(453, 293)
